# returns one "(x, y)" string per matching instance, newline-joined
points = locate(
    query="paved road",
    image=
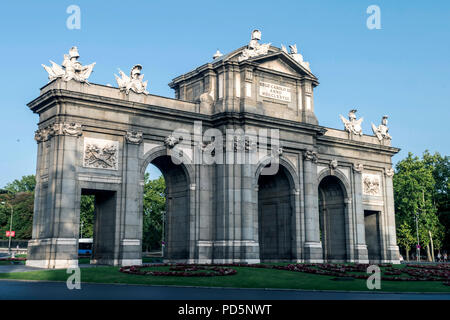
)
(28, 290)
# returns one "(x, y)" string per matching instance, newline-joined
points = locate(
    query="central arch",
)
(332, 219)
(178, 204)
(276, 216)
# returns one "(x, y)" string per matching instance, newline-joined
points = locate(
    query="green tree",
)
(20, 197)
(25, 184)
(441, 197)
(414, 190)
(87, 208)
(154, 204)
(405, 237)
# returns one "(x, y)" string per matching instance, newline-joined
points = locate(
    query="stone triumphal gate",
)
(331, 198)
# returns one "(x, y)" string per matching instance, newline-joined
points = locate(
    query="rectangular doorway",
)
(372, 227)
(104, 225)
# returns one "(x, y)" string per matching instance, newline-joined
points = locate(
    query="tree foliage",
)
(25, 184)
(19, 198)
(415, 194)
(154, 205)
(87, 208)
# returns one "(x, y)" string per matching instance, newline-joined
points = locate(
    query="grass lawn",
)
(245, 278)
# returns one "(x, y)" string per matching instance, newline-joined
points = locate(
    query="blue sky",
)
(402, 70)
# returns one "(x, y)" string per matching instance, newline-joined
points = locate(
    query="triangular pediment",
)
(276, 60)
(282, 62)
(278, 65)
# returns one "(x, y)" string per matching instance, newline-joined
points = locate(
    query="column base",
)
(52, 264)
(361, 254)
(392, 255)
(313, 252)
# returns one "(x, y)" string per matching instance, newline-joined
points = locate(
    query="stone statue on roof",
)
(70, 69)
(254, 48)
(352, 125)
(134, 82)
(382, 130)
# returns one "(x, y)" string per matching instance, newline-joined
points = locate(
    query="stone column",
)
(392, 254)
(56, 243)
(361, 254)
(312, 246)
(131, 236)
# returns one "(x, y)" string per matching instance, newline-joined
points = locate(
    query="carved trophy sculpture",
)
(134, 82)
(70, 69)
(254, 48)
(382, 131)
(352, 125)
(297, 56)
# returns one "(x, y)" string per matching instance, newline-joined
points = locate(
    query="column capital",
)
(358, 167)
(310, 156)
(389, 172)
(58, 129)
(134, 137)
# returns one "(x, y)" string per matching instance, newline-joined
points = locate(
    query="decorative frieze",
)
(57, 129)
(134, 137)
(100, 154)
(371, 184)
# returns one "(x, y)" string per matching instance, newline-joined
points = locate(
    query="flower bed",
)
(357, 271)
(180, 270)
(13, 259)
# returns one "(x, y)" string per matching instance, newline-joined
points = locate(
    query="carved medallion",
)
(371, 184)
(101, 154)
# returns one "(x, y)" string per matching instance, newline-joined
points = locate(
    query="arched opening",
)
(275, 216)
(173, 215)
(332, 219)
(154, 209)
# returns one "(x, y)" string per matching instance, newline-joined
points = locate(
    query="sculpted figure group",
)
(353, 125)
(72, 69)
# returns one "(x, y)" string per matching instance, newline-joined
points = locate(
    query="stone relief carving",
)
(134, 137)
(389, 172)
(70, 69)
(333, 164)
(101, 154)
(382, 130)
(69, 129)
(56, 129)
(206, 100)
(254, 48)
(310, 156)
(352, 125)
(295, 55)
(358, 167)
(298, 57)
(278, 151)
(371, 184)
(171, 141)
(132, 83)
